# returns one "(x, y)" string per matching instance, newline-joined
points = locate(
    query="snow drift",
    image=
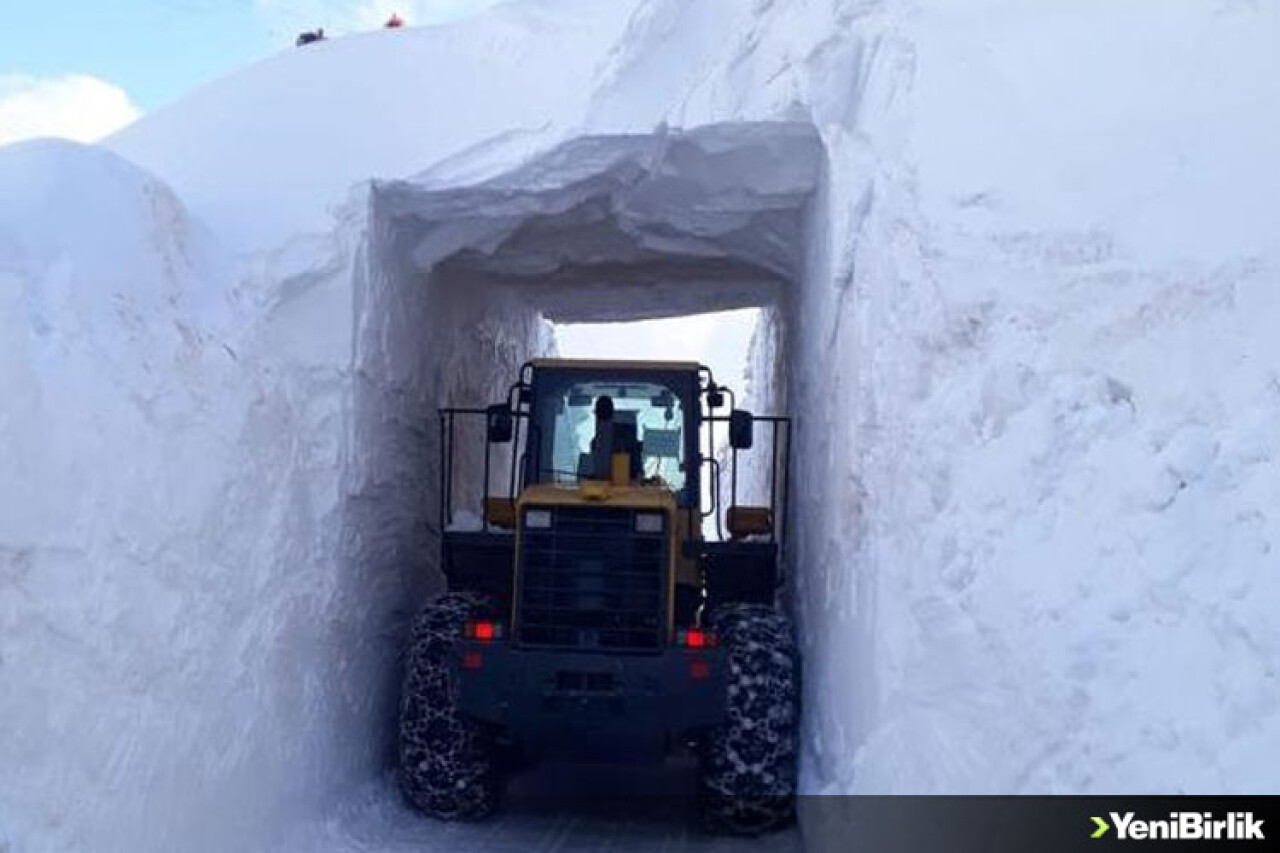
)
(1021, 309)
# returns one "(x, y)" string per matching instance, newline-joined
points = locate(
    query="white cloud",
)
(73, 106)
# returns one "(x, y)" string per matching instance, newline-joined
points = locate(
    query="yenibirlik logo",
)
(1183, 826)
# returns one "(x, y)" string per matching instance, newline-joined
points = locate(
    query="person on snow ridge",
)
(395, 22)
(309, 37)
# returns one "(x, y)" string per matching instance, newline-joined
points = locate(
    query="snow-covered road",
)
(554, 807)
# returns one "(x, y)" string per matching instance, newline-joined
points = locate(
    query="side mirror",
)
(498, 424)
(715, 397)
(741, 429)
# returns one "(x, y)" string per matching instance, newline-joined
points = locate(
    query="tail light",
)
(483, 631)
(696, 638)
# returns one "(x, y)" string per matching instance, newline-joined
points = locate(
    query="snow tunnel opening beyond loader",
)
(458, 286)
(722, 341)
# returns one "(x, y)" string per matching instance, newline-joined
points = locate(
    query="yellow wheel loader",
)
(587, 613)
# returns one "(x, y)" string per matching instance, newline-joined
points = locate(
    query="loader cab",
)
(655, 417)
(660, 446)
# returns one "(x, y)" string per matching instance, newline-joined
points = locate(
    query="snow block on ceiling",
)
(624, 227)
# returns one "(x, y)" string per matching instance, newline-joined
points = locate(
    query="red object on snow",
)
(395, 21)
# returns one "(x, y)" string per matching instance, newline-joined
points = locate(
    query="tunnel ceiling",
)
(624, 227)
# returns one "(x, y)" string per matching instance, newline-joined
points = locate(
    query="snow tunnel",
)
(458, 286)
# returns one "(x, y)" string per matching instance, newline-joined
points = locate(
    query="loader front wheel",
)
(748, 763)
(446, 760)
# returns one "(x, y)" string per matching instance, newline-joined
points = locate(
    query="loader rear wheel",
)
(748, 767)
(446, 760)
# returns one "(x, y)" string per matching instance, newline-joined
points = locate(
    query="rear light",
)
(699, 670)
(483, 631)
(472, 660)
(695, 638)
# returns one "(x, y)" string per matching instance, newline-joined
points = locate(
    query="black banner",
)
(1038, 823)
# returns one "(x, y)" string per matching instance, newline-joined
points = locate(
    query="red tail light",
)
(472, 660)
(483, 631)
(696, 638)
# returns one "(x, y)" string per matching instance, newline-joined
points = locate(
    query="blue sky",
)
(110, 60)
(154, 50)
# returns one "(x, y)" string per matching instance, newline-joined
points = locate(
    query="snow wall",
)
(1027, 336)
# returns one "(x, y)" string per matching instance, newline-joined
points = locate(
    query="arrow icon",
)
(1102, 828)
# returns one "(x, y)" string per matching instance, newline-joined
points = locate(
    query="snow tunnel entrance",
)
(460, 285)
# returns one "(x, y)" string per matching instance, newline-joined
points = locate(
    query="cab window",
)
(651, 407)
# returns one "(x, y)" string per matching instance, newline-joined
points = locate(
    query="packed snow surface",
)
(1023, 312)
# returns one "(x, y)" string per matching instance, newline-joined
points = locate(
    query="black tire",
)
(446, 760)
(748, 764)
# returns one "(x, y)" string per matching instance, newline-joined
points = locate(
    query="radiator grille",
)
(591, 582)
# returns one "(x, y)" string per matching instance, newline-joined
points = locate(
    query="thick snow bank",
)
(171, 531)
(219, 513)
(125, 650)
(1045, 560)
